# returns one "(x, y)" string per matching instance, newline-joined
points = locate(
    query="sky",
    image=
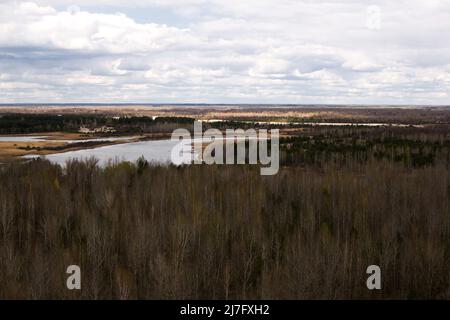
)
(225, 51)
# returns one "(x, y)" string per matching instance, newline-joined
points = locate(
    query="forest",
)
(38, 123)
(344, 199)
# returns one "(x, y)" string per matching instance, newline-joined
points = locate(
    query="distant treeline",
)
(35, 123)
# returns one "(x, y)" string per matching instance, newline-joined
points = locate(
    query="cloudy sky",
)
(225, 51)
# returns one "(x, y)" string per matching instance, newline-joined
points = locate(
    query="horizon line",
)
(6, 104)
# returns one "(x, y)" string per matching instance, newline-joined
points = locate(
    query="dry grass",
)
(408, 115)
(9, 150)
(12, 151)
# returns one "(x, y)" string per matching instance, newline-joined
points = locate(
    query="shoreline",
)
(11, 151)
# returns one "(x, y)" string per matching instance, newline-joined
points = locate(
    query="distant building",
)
(102, 129)
(84, 130)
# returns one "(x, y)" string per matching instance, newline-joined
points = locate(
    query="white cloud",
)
(34, 26)
(285, 51)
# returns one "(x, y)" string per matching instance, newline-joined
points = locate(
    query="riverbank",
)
(49, 143)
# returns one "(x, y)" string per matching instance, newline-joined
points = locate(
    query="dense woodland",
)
(35, 123)
(344, 199)
(413, 147)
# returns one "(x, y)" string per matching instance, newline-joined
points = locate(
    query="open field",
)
(10, 150)
(16, 149)
(392, 114)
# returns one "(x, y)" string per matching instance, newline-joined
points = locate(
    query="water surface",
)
(156, 151)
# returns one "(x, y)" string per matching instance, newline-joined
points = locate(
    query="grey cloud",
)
(250, 51)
